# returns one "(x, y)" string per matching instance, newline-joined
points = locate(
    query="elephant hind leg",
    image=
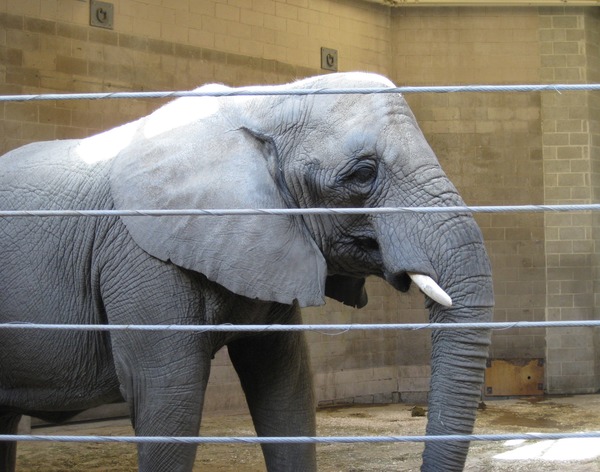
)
(8, 449)
(275, 374)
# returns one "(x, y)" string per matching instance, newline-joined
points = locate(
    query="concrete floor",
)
(533, 414)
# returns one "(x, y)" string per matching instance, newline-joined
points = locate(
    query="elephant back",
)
(52, 175)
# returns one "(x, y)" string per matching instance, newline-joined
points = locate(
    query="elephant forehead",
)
(345, 80)
(386, 121)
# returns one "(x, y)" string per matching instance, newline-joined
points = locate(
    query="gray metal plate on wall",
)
(101, 14)
(329, 59)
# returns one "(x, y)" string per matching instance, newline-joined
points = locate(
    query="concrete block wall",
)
(497, 148)
(571, 251)
(380, 363)
(49, 46)
(592, 45)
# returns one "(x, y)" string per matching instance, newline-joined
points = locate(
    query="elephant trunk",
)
(458, 356)
(450, 250)
(457, 369)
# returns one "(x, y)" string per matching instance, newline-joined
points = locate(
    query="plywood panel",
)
(514, 377)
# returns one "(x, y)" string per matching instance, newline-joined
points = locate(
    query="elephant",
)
(257, 151)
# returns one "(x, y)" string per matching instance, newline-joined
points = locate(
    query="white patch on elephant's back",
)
(182, 111)
(105, 146)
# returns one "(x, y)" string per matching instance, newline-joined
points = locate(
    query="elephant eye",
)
(363, 173)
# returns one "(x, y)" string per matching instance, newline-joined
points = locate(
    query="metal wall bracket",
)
(329, 59)
(101, 14)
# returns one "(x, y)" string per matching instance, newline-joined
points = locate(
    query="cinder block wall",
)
(497, 148)
(593, 71)
(568, 39)
(48, 46)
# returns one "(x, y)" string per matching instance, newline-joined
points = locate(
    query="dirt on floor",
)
(544, 415)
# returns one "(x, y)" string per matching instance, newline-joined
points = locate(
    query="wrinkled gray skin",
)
(252, 152)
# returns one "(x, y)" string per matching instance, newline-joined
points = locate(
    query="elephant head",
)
(316, 151)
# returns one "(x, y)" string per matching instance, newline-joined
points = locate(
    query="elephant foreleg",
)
(8, 449)
(165, 391)
(275, 376)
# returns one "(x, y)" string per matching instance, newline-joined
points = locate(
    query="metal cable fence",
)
(324, 328)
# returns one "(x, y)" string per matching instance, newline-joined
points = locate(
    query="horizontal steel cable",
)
(271, 91)
(302, 211)
(297, 439)
(306, 327)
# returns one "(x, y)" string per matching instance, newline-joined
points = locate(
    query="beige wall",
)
(500, 148)
(570, 54)
(593, 75)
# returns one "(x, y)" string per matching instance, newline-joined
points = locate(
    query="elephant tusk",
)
(430, 288)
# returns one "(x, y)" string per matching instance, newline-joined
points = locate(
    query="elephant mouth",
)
(400, 281)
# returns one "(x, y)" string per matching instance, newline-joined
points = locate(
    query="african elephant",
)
(230, 152)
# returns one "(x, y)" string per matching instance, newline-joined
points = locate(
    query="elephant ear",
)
(206, 164)
(348, 290)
